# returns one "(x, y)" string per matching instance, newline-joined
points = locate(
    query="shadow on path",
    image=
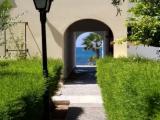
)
(77, 112)
(82, 75)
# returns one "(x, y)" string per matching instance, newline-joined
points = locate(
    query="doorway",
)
(75, 30)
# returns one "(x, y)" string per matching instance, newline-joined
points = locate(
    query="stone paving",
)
(84, 96)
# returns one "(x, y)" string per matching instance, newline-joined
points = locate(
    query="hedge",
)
(22, 87)
(130, 88)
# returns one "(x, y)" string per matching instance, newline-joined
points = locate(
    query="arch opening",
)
(76, 29)
(88, 49)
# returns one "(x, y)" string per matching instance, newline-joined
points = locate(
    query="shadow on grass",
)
(4, 64)
(26, 108)
(153, 106)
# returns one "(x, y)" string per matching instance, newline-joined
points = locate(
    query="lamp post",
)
(44, 6)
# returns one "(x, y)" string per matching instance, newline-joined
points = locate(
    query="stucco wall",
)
(65, 12)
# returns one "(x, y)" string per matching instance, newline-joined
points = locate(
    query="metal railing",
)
(15, 40)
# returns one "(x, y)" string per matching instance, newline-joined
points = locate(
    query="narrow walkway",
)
(84, 96)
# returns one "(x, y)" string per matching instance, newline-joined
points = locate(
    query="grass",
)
(130, 88)
(22, 87)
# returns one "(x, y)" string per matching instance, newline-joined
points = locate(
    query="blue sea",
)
(82, 55)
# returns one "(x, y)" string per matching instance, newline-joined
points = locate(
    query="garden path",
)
(83, 94)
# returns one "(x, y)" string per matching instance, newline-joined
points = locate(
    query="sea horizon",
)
(82, 56)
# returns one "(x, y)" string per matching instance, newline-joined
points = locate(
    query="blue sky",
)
(81, 38)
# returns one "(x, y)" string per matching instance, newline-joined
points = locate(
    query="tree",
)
(5, 7)
(93, 42)
(145, 22)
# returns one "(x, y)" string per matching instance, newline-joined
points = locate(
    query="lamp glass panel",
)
(40, 4)
(48, 5)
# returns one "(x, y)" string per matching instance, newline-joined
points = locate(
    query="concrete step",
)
(78, 99)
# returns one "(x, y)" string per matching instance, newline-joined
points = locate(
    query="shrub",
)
(130, 88)
(22, 87)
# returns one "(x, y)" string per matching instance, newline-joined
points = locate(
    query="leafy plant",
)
(92, 60)
(93, 42)
(4, 14)
(5, 7)
(145, 22)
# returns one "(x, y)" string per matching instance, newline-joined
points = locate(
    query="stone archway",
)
(74, 30)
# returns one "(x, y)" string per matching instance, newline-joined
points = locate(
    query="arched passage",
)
(79, 27)
(83, 57)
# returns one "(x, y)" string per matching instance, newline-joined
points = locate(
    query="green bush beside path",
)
(130, 88)
(22, 87)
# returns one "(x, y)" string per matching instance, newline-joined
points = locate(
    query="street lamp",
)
(44, 6)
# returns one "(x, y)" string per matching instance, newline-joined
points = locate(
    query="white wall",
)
(144, 51)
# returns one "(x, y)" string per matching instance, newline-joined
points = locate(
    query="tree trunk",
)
(97, 53)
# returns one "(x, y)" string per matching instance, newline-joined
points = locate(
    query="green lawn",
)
(130, 88)
(22, 87)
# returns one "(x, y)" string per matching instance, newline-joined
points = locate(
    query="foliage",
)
(130, 88)
(117, 2)
(4, 14)
(5, 7)
(145, 22)
(92, 60)
(93, 42)
(22, 87)
(120, 40)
